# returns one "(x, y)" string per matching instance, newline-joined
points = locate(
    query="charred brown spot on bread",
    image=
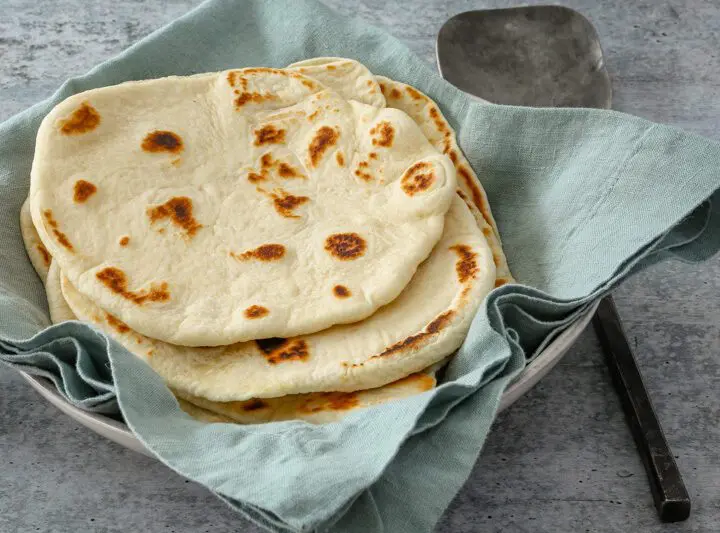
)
(162, 141)
(439, 122)
(477, 196)
(345, 246)
(340, 158)
(50, 219)
(499, 282)
(325, 138)
(452, 154)
(373, 155)
(286, 171)
(246, 97)
(330, 401)
(331, 67)
(269, 252)
(278, 350)
(418, 178)
(312, 116)
(253, 405)
(383, 134)
(44, 253)
(421, 379)
(487, 232)
(496, 259)
(308, 83)
(266, 161)
(269, 134)
(83, 190)
(179, 210)
(116, 280)
(117, 324)
(84, 119)
(124, 240)
(285, 203)
(266, 346)
(418, 340)
(414, 93)
(363, 175)
(266, 252)
(59, 235)
(176, 162)
(406, 344)
(383, 87)
(361, 171)
(264, 70)
(440, 322)
(394, 93)
(256, 311)
(268, 164)
(234, 79)
(341, 291)
(466, 266)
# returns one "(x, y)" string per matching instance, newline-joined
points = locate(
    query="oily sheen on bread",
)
(246, 204)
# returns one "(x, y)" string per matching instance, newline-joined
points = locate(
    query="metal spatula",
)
(550, 56)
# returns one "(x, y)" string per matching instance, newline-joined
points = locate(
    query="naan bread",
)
(39, 256)
(426, 323)
(318, 408)
(438, 131)
(45, 267)
(427, 115)
(247, 204)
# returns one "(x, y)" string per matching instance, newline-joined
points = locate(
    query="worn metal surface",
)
(548, 56)
(561, 459)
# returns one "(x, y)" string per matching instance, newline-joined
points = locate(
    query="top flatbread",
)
(246, 204)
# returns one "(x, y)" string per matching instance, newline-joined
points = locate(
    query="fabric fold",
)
(583, 199)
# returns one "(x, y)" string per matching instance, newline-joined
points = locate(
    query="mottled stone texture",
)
(561, 459)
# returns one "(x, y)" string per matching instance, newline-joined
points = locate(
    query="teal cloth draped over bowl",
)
(583, 198)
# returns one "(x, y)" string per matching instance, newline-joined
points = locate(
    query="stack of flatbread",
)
(276, 243)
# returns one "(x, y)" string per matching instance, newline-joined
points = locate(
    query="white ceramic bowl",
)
(120, 433)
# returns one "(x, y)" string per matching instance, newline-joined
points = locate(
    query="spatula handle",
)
(669, 493)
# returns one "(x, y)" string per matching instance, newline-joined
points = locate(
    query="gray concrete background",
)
(561, 459)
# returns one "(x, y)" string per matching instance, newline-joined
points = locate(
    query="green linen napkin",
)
(583, 198)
